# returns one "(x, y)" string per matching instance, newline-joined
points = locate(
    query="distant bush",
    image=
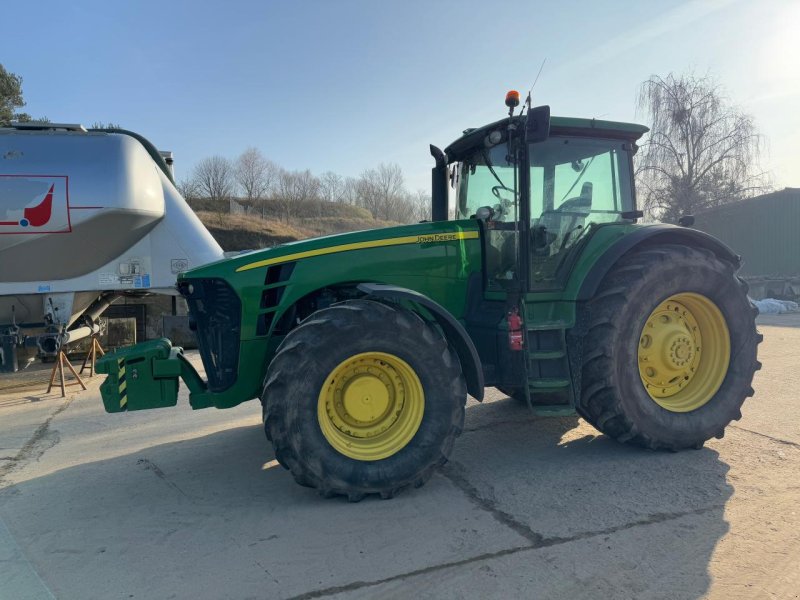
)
(304, 209)
(209, 205)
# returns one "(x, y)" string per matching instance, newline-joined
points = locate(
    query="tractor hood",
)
(346, 246)
(434, 259)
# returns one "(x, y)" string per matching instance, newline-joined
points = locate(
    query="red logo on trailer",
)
(34, 204)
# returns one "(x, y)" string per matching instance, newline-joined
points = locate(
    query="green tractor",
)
(362, 347)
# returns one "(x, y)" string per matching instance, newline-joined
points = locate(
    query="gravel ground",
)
(178, 504)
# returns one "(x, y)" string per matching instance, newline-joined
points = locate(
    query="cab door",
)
(576, 184)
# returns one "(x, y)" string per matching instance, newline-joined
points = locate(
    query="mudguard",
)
(456, 335)
(649, 236)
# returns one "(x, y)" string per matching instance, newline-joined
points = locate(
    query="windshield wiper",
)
(488, 162)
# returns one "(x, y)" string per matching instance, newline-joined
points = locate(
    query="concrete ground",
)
(178, 504)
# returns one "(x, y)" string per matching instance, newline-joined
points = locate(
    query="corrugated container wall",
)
(764, 230)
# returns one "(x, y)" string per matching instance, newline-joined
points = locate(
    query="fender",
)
(455, 333)
(648, 236)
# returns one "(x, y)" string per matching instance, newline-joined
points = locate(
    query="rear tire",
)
(309, 403)
(615, 372)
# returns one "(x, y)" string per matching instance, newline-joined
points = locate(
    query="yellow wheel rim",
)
(371, 406)
(684, 352)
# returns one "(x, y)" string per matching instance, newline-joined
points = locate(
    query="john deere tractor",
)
(533, 277)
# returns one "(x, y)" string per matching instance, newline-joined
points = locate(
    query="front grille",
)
(275, 281)
(215, 314)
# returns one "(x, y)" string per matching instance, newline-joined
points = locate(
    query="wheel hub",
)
(362, 397)
(669, 349)
(365, 398)
(683, 353)
(371, 406)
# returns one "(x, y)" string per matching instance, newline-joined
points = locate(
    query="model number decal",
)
(437, 237)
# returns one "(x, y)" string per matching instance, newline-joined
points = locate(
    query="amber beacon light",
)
(512, 99)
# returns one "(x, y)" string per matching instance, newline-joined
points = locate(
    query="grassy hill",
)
(245, 232)
(236, 232)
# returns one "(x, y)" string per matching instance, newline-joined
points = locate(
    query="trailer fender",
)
(455, 333)
(650, 236)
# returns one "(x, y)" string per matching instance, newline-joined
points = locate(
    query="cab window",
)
(575, 183)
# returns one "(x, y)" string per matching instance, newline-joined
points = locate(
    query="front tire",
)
(670, 349)
(363, 398)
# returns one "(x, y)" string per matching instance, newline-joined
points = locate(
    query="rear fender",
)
(651, 236)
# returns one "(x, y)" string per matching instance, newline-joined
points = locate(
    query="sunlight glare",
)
(779, 58)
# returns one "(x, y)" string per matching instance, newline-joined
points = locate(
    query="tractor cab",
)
(539, 186)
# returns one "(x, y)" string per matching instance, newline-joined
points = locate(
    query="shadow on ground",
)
(526, 508)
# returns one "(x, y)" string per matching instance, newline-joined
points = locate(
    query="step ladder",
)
(547, 367)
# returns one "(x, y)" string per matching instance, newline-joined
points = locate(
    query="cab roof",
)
(558, 126)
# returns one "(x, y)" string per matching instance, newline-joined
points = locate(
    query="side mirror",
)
(537, 127)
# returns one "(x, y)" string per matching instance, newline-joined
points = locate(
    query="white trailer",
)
(85, 217)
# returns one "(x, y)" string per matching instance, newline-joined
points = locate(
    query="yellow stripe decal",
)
(123, 386)
(430, 238)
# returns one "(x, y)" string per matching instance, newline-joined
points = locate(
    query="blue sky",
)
(344, 85)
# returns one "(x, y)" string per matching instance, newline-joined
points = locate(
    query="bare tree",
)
(188, 188)
(255, 175)
(293, 188)
(350, 191)
(262, 184)
(381, 192)
(213, 177)
(331, 187)
(701, 151)
(421, 203)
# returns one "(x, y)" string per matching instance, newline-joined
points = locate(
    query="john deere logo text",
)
(437, 237)
(34, 204)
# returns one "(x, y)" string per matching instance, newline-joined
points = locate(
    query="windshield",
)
(487, 179)
(587, 176)
(582, 175)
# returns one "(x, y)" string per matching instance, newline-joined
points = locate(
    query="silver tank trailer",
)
(85, 217)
